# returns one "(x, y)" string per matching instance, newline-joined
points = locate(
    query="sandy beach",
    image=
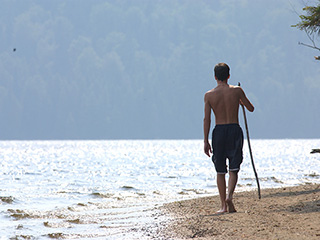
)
(281, 213)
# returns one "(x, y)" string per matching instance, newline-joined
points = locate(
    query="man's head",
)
(221, 71)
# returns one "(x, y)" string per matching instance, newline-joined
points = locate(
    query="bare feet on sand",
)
(221, 211)
(230, 206)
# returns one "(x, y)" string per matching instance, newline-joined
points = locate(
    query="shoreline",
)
(281, 213)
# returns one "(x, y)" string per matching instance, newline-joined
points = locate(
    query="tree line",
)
(132, 69)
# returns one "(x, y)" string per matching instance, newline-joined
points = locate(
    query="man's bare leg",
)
(221, 182)
(233, 179)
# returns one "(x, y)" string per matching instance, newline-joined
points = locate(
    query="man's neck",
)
(222, 83)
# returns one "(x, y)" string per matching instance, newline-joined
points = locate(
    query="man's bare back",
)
(224, 100)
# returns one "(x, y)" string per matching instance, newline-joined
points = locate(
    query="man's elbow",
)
(251, 109)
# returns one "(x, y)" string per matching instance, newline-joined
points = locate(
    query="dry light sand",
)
(281, 213)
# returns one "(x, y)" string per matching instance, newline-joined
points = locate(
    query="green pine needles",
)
(311, 21)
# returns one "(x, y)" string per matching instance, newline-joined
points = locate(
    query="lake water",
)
(103, 189)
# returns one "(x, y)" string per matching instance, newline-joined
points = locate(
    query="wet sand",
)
(281, 213)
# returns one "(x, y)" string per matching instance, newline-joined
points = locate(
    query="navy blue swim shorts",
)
(227, 142)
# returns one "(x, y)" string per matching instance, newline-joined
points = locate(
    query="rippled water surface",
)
(103, 189)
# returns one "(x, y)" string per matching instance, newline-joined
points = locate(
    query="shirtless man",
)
(227, 136)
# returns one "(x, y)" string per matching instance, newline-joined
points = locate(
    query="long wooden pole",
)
(249, 145)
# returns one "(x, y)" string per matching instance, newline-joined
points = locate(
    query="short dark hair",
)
(221, 71)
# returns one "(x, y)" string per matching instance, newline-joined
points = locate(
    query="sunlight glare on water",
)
(103, 189)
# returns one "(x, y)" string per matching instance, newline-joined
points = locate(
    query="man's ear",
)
(216, 78)
(228, 76)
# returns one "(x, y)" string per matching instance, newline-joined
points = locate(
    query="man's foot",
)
(230, 206)
(221, 211)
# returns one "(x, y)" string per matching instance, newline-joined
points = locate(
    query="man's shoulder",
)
(210, 91)
(234, 87)
(209, 95)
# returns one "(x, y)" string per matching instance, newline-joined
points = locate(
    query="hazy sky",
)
(139, 69)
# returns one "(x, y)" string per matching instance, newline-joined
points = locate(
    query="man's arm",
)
(206, 125)
(245, 101)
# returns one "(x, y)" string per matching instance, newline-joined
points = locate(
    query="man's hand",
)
(207, 149)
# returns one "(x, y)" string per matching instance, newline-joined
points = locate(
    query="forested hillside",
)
(139, 69)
